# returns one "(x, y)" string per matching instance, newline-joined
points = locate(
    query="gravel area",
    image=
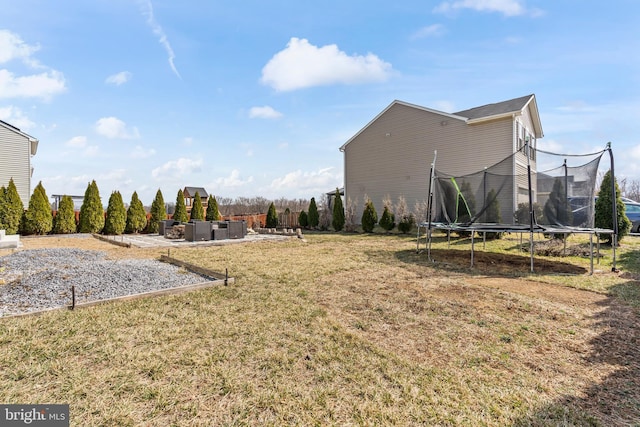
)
(40, 279)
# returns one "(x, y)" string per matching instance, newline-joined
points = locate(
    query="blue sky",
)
(255, 98)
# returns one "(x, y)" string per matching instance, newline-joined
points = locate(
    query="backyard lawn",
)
(346, 329)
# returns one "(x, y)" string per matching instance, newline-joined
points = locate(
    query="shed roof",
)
(191, 191)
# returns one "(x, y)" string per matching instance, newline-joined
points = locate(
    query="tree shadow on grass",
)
(614, 400)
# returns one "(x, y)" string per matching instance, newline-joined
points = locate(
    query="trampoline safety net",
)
(562, 193)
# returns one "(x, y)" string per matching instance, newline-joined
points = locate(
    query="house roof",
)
(191, 191)
(504, 109)
(477, 114)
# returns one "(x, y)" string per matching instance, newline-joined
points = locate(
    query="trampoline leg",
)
(531, 250)
(484, 240)
(598, 246)
(591, 251)
(472, 233)
(448, 239)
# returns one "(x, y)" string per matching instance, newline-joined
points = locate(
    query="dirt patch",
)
(501, 263)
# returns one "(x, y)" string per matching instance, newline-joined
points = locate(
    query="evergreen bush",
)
(197, 211)
(314, 217)
(136, 215)
(492, 214)
(116, 220)
(338, 213)
(369, 217)
(523, 216)
(91, 211)
(303, 219)
(272, 216)
(11, 209)
(65, 220)
(158, 213)
(213, 213)
(387, 220)
(180, 213)
(407, 222)
(557, 210)
(604, 210)
(38, 218)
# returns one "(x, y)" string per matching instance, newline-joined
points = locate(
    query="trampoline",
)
(509, 197)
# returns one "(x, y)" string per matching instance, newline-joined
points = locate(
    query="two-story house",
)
(392, 155)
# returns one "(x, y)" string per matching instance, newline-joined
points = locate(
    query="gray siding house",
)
(392, 154)
(16, 149)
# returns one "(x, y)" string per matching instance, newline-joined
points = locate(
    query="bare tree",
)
(421, 210)
(326, 216)
(351, 206)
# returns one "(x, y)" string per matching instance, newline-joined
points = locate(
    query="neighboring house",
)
(392, 154)
(189, 194)
(16, 149)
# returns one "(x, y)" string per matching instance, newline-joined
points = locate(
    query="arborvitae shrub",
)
(65, 220)
(38, 218)
(492, 213)
(523, 216)
(213, 213)
(11, 209)
(136, 216)
(158, 213)
(116, 220)
(369, 217)
(180, 214)
(91, 211)
(604, 210)
(387, 220)
(314, 217)
(197, 211)
(557, 210)
(406, 223)
(272, 216)
(338, 213)
(303, 219)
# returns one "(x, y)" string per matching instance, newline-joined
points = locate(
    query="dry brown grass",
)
(341, 330)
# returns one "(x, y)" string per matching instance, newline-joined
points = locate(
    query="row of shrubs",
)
(39, 219)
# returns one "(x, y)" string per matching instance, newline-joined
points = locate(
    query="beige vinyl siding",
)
(15, 162)
(393, 154)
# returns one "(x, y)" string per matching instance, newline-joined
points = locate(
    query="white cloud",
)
(77, 142)
(232, 181)
(15, 117)
(187, 141)
(119, 78)
(13, 47)
(265, 112)
(434, 30)
(140, 153)
(506, 7)
(301, 65)
(114, 128)
(283, 146)
(177, 168)
(80, 144)
(314, 182)
(159, 32)
(43, 85)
